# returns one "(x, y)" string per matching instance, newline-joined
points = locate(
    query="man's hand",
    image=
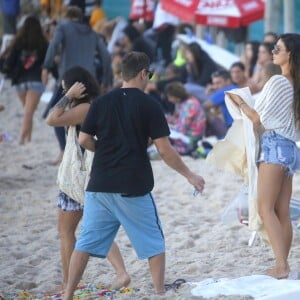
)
(197, 182)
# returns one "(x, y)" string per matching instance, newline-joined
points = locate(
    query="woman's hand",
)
(237, 100)
(76, 91)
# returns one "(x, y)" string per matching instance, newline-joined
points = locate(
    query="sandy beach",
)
(199, 246)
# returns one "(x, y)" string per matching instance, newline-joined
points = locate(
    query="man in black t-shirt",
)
(119, 190)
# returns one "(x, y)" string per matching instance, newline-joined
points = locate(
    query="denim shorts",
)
(276, 149)
(103, 215)
(65, 203)
(35, 86)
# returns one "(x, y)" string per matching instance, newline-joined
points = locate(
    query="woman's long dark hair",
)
(80, 74)
(199, 57)
(253, 60)
(31, 36)
(292, 44)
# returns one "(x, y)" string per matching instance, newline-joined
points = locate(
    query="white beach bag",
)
(74, 170)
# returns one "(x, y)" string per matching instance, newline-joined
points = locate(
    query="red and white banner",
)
(142, 9)
(183, 9)
(217, 13)
(229, 13)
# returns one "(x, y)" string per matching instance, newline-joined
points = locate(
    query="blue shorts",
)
(104, 213)
(276, 149)
(35, 86)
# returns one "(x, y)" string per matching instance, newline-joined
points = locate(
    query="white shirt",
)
(275, 107)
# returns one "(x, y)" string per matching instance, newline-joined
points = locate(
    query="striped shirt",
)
(275, 107)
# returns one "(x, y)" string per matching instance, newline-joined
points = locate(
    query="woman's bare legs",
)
(115, 258)
(67, 224)
(30, 101)
(274, 191)
(282, 209)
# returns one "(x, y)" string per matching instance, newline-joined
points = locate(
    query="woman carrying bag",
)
(80, 88)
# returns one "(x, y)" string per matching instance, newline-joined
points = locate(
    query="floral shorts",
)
(65, 203)
(276, 149)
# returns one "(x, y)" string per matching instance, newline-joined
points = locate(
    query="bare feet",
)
(56, 289)
(24, 139)
(120, 281)
(57, 160)
(279, 273)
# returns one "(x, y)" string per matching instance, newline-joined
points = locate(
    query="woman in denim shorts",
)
(275, 117)
(26, 55)
(80, 89)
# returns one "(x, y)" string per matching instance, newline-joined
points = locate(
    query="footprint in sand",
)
(35, 262)
(18, 255)
(19, 270)
(26, 285)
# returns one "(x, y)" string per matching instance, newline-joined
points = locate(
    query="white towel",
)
(260, 287)
(238, 152)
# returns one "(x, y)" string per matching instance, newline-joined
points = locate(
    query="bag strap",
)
(72, 141)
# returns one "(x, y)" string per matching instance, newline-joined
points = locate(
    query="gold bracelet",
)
(242, 103)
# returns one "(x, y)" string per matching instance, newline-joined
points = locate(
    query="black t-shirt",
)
(123, 120)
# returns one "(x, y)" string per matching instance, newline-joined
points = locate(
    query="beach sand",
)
(198, 245)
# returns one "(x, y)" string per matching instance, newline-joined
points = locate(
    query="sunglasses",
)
(150, 74)
(276, 49)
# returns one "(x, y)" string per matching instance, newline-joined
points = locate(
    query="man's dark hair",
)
(239, 65)
(176, 89)
(134, 62)
(74, 12)
(221, 73)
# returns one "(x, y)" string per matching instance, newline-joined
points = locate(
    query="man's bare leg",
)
(78, 263)
(157, 269)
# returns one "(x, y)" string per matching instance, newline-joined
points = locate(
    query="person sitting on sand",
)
(188, 120)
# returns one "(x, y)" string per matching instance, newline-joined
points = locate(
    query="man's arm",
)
(87, 141)
(173, 160)
(52, 50)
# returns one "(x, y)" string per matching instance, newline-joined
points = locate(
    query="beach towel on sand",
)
(83, 291)
(260, 287)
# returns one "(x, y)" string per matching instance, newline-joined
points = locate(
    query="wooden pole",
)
(288, 16)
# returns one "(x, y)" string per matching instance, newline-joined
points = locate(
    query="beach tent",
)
(217, 13)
